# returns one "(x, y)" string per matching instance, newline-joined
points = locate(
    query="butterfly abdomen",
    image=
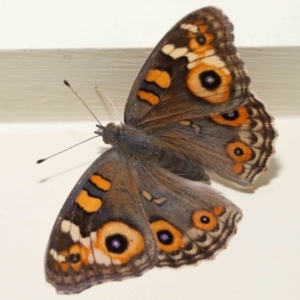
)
(143, 146)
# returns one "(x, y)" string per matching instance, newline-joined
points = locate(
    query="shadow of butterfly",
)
(140, 204)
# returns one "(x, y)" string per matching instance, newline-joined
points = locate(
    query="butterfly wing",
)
(124, 217)
(190, 221)
(193, 95)
(102, 232)
(236, 145)
(194, 71)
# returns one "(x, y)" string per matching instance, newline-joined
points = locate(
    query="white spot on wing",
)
(167, 49)
(56, 256)
(192, 56)
(91, 258)
(189, 27)
(53, 254)
(74, 231)
(85, 241)
(192, 65)
(65, 226)
(61, 258)
(179, 52)
(101, 258)
(175, 53)
(214, 60)
(93, 236)
(210, 53)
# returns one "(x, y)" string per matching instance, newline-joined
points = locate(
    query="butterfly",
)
(144, 202)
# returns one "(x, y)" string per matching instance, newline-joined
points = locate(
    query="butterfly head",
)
(110, 133)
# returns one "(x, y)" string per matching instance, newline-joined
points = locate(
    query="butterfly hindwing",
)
(190, 221)
(101, 232)
(236, 145)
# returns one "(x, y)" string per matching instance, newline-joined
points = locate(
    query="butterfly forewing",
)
(194, 71)
(102, 232)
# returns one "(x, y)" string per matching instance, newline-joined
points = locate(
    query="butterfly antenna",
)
(103, 95)
(44, 159)
(69, 86)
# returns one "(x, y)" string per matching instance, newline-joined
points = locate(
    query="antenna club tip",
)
(66, 83)
(40, 161)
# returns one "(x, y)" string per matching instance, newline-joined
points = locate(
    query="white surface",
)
(261, 262)
(54, 24)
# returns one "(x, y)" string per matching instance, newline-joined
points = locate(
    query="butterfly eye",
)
(116, 243)
(210, 80)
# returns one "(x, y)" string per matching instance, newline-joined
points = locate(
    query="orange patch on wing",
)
(149, 97)
(241, 119)
(56, 266)
(100, 182)
(161, 78)
(239, 152)
(204, 220)
(81, 253)
(185, 123)
(238, 168)
(64, 265)
(218, 210)
(202, 28)
(218, 95)
(147, 195)
(88, 203)
(134, 239)
(177, 242)
(198, 48)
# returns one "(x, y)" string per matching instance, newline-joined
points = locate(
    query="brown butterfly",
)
(140, 205)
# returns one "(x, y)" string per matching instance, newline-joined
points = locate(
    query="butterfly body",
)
(142, 146)
(142, 203)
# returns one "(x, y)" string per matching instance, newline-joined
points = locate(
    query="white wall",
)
(36, 24)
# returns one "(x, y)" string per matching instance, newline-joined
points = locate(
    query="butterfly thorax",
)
(129, 140)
